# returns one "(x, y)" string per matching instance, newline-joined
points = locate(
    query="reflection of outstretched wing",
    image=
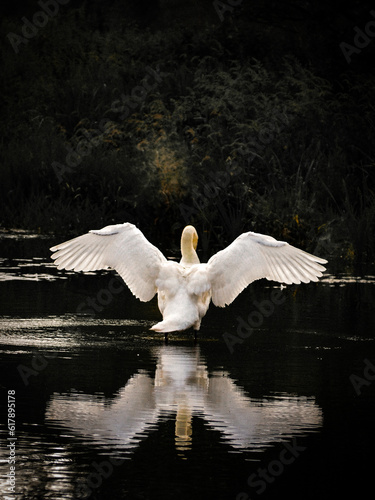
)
(122, 422)
(256, 423)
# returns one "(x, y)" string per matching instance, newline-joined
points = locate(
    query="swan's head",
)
(190, 234)
(189, 241)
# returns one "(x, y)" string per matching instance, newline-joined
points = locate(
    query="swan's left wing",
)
(122, 247)
(253, 256)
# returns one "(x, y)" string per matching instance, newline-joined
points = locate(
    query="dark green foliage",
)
(218, 138)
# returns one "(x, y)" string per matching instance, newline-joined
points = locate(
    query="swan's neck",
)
(189, 255)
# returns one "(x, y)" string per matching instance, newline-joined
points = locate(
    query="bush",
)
(216, 137)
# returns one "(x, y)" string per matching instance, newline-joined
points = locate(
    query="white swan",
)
(185, 289)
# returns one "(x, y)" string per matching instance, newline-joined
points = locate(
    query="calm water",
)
(106, 410)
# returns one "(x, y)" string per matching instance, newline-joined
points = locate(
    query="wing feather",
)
(310, 271)
(253, 256)
(278, 272)
(293, 276)
(122, 247)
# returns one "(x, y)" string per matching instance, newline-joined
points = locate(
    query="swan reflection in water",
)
(183, 387)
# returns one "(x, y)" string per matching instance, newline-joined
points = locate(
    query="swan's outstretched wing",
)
(122, 247)
(253, 256)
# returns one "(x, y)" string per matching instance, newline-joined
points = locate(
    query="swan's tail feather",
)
(172, 325)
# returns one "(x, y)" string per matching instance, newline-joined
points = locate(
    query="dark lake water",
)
(104, 409)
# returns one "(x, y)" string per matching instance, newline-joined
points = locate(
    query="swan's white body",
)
(185, 289)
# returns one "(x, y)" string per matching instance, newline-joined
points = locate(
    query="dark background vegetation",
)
(256, 122)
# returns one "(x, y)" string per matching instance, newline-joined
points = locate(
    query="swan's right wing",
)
(253, 256)
(122, 247)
